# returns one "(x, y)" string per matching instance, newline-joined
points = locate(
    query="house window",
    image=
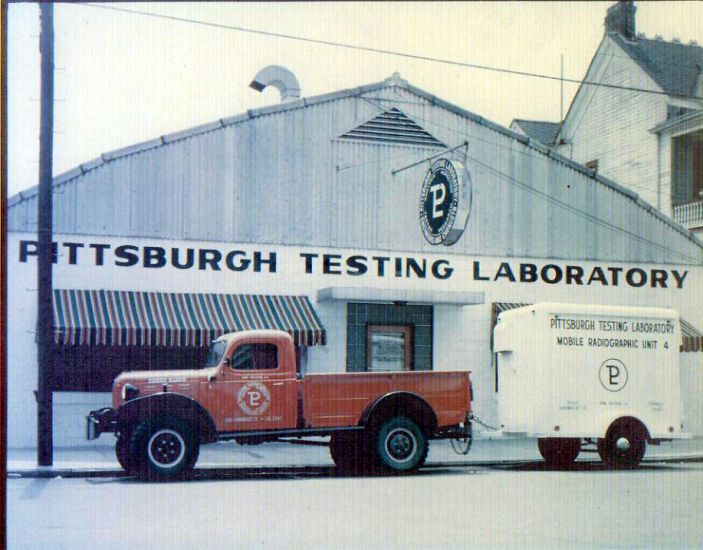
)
(687, 169)
(592, 165)
(389, 348)
(388, 337)
(698, 171)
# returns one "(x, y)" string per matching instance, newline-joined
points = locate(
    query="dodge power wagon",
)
(252, 390)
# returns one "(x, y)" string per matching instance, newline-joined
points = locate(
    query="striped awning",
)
(128, 318)
(691, 338)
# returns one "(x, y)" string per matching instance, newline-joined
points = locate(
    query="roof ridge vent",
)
(396, 80)
(280, 78)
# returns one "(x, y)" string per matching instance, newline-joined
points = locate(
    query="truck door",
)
(256, 391)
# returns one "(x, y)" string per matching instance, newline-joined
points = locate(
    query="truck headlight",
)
(129, 392)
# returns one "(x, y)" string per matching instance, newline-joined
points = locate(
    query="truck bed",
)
(337, 400)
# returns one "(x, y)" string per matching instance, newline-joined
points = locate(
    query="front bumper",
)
(99, 422)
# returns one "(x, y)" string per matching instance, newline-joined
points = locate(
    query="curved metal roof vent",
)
(280, 78)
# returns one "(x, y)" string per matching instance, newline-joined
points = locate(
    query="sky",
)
(122, 78)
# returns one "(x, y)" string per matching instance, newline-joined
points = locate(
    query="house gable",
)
(606, 67)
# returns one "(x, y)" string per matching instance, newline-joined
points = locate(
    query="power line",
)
(579, 212)
(382, 51)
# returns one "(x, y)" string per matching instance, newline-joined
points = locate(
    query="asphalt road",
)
(517, 506)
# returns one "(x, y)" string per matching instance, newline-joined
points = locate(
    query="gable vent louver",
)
(392, 127)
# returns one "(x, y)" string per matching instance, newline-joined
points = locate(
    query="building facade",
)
(382, 226)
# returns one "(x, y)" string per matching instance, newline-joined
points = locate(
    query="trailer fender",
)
(167, 404)
(624, 416)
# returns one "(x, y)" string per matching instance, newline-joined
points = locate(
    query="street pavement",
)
(98, 457)
(658, 505)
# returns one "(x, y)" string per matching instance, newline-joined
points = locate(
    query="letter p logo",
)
(439, 194)
(613, 375)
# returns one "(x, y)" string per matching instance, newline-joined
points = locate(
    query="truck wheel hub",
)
(623, 444)
(166, 448)
(401, 445)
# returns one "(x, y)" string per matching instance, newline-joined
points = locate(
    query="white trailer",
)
(572, 374)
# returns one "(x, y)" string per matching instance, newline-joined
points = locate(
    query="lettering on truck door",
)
(256, 391)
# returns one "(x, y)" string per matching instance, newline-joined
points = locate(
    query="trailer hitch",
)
(462, 439)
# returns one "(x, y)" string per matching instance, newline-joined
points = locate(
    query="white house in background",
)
(651, 143)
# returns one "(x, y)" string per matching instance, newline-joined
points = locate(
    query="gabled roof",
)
(393, 81)
(544, 132)
(674, 66)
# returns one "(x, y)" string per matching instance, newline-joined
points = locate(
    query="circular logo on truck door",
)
(613, 375)
(254, 398)
(445, 202)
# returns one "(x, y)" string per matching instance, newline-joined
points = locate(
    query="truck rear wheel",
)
(401, 446)
(559, 452)
(624, 445)
(163, 448)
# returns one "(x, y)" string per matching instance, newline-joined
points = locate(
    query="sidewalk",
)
(98, 459)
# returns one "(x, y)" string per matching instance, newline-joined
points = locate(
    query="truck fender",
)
(167, 404)
(401, 403)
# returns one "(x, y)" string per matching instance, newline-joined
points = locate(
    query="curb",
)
(240, 471)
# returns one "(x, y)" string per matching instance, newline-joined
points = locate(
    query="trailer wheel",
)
(559, 452)
(401, 446)
(163, 448)
(122, 452)
(624, 445)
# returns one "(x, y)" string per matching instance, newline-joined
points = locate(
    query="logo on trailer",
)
(445, 202)
(613, 375)
(254, 398)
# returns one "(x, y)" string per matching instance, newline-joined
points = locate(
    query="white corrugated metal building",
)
(305, 199)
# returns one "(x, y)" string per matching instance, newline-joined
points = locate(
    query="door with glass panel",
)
(389, 348)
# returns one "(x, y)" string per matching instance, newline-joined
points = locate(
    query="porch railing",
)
(689, 215)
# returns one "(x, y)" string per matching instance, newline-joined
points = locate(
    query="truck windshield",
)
(217, 350)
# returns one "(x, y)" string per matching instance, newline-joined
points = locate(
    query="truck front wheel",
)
(624, 445)
(163, 448)
(559, 452)
(122, 452)
(401, 446)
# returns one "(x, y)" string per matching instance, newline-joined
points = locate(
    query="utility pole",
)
(45, 334)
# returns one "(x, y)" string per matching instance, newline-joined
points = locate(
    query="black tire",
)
(400, 445)
(349, 451)
(624, 445)
(559, 452)
(122, 452)
(163, 448)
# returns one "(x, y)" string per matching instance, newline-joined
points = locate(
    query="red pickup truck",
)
(251, 390)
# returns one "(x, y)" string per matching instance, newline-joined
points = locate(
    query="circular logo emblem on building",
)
(613, 375)
(445, 202)
(254, 398)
